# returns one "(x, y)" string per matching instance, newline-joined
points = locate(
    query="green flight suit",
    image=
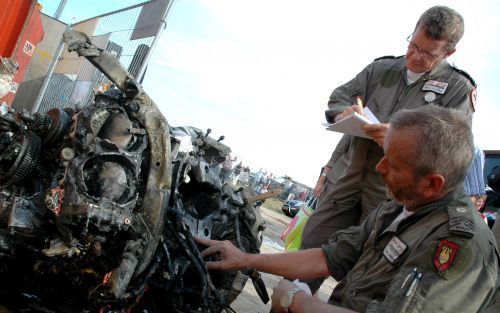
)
(353, 188)
(447, 242)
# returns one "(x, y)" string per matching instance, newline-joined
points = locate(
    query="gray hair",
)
(444, 145)
(442, 23)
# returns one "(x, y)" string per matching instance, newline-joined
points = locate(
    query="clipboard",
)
(352, 125)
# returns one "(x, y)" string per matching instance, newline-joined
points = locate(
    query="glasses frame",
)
(423, 53)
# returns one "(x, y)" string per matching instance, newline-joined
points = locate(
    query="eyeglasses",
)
(426, 55)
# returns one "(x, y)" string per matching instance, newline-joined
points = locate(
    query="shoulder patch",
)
(449, 257)
(460, 222)
(464, 73)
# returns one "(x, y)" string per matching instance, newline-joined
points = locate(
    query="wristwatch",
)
(286, 300)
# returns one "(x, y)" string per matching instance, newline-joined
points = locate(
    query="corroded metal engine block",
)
(99, 207)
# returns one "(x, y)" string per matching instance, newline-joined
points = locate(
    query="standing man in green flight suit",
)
(423, 76)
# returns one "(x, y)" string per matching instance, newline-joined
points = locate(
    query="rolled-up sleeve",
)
(344, 96)
(344, 248)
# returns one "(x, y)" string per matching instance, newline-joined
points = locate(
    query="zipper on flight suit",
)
(363, 173)
(356, 291)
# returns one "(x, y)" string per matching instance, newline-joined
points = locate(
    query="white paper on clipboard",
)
(352, 125)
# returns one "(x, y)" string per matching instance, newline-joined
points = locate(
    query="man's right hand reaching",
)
(228, 256)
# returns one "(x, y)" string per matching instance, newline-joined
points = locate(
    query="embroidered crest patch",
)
(449, 257)
(445, 255)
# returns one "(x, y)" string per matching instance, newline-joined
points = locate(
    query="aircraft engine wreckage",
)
(99, 207)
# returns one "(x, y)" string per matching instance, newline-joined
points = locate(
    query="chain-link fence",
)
(128, 33)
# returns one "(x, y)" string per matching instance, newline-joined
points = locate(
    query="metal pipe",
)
(60, 9)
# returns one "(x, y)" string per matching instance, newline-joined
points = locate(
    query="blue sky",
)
(260, 72)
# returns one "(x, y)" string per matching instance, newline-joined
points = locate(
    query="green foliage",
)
(274, 204)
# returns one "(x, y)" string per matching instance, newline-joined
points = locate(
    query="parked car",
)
(292, 207)
(492, 205)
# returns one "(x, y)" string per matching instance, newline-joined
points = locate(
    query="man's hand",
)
(320, 186)
(279, 292)
(229, 257)
(377, 132)
(348, 112)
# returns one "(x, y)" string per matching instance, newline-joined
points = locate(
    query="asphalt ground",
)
(248, 301)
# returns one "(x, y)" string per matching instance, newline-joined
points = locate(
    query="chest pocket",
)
(382, 102)
(398, 246)
(383, 92)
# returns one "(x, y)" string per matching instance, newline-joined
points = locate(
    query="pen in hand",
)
(359, 101)
(350, 110)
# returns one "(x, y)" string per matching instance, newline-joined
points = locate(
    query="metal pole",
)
(163, 24)
(60, 9)
(47, 77)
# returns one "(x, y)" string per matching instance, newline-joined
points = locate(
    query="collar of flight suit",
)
(458, 209)
(436, 73)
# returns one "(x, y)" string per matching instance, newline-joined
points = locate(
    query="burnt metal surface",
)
(99, 207)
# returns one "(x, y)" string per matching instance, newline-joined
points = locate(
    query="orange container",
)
(12, 18)
(20, 33)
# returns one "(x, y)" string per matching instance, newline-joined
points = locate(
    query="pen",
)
(359, 101)
(412, 274)
(416, 280)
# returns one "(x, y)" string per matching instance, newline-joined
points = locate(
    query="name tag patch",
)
(434, 85)
(394, 249)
